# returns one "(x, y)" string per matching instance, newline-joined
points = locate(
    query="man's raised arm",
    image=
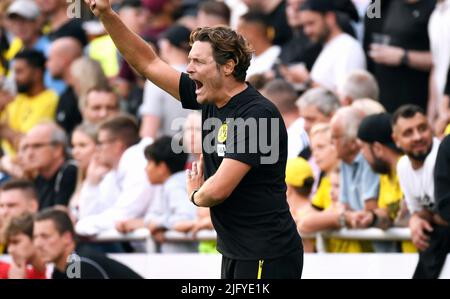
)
(135, 50)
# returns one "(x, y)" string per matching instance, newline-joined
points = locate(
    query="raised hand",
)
(98, 7)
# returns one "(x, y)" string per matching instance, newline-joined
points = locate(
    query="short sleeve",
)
(343, 190)
(370, 184)
(151, 104)
(187, 93)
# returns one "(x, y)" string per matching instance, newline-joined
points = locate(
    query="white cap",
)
(27, 9)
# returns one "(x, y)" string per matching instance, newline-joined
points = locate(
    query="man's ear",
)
(395, 138)
(378, 149)
(228, 67)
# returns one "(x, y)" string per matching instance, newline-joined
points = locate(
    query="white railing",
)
(370, 234)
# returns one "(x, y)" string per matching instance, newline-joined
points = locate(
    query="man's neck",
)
(351, 158)
(177, 59)
(289, 118)
(37, 263)
(29, 44)
(50, 172)
(36, 90)
(261, 47)
(333, 34)
(61, 264)
(229, 92)
(416, 164)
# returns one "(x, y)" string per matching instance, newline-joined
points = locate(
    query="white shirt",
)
(263, 63)
(132, 196)
(418, 185)
(297, 138)
(338, 58)
(157, 102)
(439, 33)
(173, 204)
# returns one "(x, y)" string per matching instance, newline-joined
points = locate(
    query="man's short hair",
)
(282, 94)
(361, 84)
(256, 17)
(406, 111)
(123, 127)
(323, 99)
(216, 8)
(35, 59)
(226, 44)
(22, 224)
(105, 89)
(161, 151)
(24, 186)
(60, 219)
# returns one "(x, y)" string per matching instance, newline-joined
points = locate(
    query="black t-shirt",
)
(72, 28)
(406, 24)
(93, 265)
(278, 20)
(59, 189)
(68, 114)
(442, 179)
(254, 222)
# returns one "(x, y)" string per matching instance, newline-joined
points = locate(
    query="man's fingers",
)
(427, 226)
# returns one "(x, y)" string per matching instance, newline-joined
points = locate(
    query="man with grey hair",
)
(283, 95)
(44, 151)
(317, 105)
(359, 184)
(359, 84)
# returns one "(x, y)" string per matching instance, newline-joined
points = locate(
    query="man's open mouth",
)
(198, 86)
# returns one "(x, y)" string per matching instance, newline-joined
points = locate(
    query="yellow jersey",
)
(24, 112)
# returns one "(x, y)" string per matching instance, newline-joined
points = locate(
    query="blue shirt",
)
(358, 183)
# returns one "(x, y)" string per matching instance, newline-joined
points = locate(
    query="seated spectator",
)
(86, 74)
(341, 52)
(284, 96)
(63, 53)
(100, 104)
(84, 143)
(60, 22)
(359, 184)
(54, 240)
(212, 13)
(379, 149)
(127, 195)
(17, 197)
(32, 105)
(158, 110)
(99, 192)
(173, 207)
(326, 212)
(254, 26)
(45, 151)
(26, 263)
(358, 85)
(299, 181)
(412, 133)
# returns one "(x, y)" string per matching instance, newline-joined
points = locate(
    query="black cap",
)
(321, 6)
(340, 6)
(377, 128)
(178, 36)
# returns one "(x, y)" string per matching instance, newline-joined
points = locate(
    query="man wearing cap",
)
(341, 52)
(23, 16)
(379, 149)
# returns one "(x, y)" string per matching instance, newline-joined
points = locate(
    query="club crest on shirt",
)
(222, 136)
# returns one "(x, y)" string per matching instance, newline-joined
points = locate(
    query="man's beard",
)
(380, 166)
(419, 157)
(23, 88)
(323, 38)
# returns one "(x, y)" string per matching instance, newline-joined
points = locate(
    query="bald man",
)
(63, 52)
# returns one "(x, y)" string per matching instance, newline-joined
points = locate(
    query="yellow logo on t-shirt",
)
(222, 136)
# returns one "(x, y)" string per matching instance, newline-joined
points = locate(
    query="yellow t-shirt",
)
(447, 130)
(105, 52)
(390, 198)
(323, 200)
(23, 113)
